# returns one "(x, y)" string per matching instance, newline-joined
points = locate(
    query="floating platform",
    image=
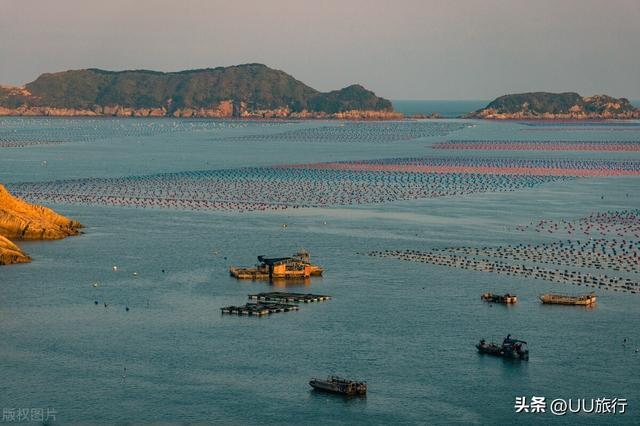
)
(289, 297)
(564, 299)
(249, 273)
(497, 298)
(297, 266)
(259, 309)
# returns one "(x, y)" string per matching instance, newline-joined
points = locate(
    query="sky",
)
(401, 49)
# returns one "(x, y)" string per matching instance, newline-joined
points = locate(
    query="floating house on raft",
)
(295, 267)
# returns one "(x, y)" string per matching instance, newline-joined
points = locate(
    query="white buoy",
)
(115, 268)
(95, 285)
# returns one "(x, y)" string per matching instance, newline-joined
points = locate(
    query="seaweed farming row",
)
(586, 123)
(598, 261)
(539, 145)
(370, 132)
(578, 278)
(504, 166)
(24, 143)
(271, 188)
(620, 223)
(24, 131)
(617, 255)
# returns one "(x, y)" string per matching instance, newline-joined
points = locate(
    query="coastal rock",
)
(11, 253)
(24, 221)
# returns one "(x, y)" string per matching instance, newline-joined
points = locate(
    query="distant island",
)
(557, 106)
(242, 91)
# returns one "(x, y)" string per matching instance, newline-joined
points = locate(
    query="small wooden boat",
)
(339, 385)
(510, 348)
(496, 298)
(564, 299)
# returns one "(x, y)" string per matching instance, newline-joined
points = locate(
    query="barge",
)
(564, 299)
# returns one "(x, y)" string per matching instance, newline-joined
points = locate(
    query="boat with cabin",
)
(510, 348)
(335, 384)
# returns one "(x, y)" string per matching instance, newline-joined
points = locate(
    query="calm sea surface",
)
(406, 328)
(448, 109)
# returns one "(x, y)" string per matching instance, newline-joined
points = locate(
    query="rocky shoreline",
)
(20, 220)
(222, 110)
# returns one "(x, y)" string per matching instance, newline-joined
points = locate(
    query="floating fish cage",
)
(259, 309)
(289, 297)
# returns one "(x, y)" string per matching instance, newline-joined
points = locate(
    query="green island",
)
(557, 106)
(242, 91)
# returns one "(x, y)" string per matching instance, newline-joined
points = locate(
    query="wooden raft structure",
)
(564, 299)
(289, 297)
(259, 309)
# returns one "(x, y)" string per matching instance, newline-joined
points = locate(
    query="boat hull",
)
(561, 299)
(500, 352)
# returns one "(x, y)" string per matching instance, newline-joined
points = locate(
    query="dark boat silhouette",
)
(339, 385)
(510, 348)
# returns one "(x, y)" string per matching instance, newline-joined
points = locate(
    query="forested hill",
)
(242, 90)
(569, 105)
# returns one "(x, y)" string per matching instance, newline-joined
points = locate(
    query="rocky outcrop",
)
(557, 106)
(20, 220)
(11, 253)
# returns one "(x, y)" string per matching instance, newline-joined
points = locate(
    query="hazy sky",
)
(401, 49)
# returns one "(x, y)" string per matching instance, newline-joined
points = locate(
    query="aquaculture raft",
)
(496, 298)
(259, 309)
(294, 267)
(289, 297)
(563, 299)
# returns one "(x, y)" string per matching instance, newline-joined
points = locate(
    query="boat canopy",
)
(274, 260)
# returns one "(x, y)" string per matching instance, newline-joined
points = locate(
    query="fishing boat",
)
(564, 299)
(510, 348)
(497, 298)
(339, 385)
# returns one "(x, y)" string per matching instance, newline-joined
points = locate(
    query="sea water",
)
(447, 109)
(406, 328)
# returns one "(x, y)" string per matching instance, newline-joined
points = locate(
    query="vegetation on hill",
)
(557, 105)
(255, 86)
